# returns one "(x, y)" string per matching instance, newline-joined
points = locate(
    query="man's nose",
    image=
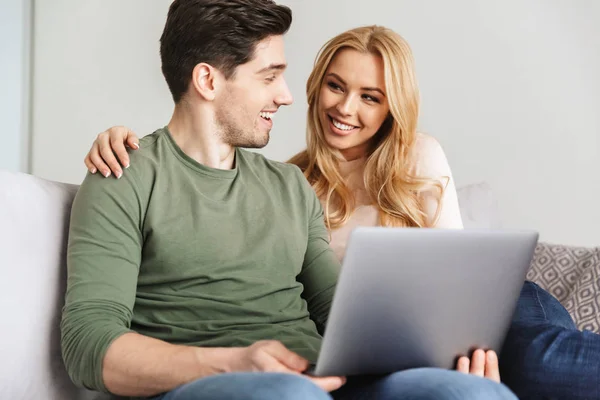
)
(284, 96)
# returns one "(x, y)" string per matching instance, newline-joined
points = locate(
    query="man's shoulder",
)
(258, 160)
(286, 176)
(152, 155)
(151, 139)
(147, 151)
(143, 164)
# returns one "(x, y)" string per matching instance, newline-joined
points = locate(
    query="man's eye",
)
(271, 78)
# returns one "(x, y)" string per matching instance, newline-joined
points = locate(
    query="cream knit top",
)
(430, 162)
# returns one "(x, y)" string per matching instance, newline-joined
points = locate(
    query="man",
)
(205, 272)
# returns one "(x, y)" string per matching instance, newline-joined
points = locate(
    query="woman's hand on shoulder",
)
(107, 148)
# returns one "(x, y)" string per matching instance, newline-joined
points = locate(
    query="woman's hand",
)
(108, 146)
(482, 363)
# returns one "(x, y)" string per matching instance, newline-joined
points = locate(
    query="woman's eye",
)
(333, 85)
(371, 98)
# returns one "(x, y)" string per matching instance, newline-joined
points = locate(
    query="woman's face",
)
(352, 101)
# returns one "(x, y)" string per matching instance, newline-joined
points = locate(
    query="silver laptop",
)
(413, 297)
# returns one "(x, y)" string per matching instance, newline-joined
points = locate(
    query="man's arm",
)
(137, 365)
(104, 254)
(321, 267)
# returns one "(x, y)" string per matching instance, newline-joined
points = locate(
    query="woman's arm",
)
(431, 162)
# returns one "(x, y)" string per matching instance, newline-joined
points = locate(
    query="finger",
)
(109, 157)
(328, 383)
(492, 371)
(463, 365)
(265, 362)
(118, 147)
(286, 357)
(97, 161)
(478, 363)
(270, 364)
(133, 141)
(89, 164)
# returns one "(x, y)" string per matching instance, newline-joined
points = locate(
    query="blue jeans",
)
(545, 356)
(426, 383)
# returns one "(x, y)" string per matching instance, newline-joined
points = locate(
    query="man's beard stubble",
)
(234, 135)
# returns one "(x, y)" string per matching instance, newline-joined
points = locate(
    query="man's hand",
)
(482, 363)
(272, 356)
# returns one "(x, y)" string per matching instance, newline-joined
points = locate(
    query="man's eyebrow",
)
(273, 67)
(368, 89)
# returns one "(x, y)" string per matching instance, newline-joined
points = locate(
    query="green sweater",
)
(194, 255)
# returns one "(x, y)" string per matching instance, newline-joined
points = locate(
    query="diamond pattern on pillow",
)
(572, 275)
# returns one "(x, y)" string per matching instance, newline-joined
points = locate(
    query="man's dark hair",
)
(222, 33)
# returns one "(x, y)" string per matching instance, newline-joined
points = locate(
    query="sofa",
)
(34, 218)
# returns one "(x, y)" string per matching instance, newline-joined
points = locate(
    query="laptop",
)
(415, 297)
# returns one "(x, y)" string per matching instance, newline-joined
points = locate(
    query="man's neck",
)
(198, 138)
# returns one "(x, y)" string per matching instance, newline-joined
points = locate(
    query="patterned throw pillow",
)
(572, 275)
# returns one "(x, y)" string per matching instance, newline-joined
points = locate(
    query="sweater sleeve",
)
(103, 258)
(321, 267)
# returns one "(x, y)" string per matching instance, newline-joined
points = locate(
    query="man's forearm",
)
(137, 365)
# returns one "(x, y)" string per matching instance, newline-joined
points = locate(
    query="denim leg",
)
(545, 356)
(536, 305)
(248, 386)
(423, 384)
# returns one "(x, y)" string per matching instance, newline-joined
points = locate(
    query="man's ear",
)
(205, 80)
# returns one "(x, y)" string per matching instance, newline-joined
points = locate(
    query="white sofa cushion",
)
(34, 217)
(478, 207)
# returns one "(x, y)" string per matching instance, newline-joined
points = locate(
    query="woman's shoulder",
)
(427, 157)
(426, 144)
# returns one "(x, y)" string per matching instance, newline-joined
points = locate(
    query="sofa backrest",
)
(34, 218)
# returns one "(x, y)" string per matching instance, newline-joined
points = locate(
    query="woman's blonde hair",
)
(388, 181)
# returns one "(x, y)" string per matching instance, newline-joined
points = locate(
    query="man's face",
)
(251, 97)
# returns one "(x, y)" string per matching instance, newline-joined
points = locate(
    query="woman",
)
(364, 157)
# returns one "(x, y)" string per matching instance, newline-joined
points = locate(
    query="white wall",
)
(510, 89)
(96, 65)
(14, 83)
